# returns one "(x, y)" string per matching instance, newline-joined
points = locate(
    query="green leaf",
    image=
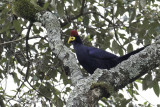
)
(45, 90)
(142, 3)
(20, 58)
(76, 3)
(65, 79)
(35, 78)
(68, 89)
(17, 26)
(120, 8)
(131, 105)
(147, 82)
(46, 5)
(2, 7)
(36, 31)
(158, 105)
(15, 78)
(5, 27)
(51, 74)
(96, 17)
(58, 102)
(115, 46)
(56, 91)
(133, 15)
(130, 48)
(125, 102)
(60, 9)
(86, 20)
(120, 51)
(156, 87)
(2, 20)
(79, 19)
(135, 85)
(147, 41)
(139, 81)
(144, 85)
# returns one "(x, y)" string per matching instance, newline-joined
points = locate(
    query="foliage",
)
(25, 9)
(39, 76)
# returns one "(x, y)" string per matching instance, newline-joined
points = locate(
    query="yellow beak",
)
(71, 38)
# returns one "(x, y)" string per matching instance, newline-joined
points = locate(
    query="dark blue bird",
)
(92, 58)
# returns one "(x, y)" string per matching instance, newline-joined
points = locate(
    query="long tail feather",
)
(125, 57)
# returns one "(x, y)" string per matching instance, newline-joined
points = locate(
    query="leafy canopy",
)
(40, 77)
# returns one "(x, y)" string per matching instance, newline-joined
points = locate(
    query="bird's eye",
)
(73, 38)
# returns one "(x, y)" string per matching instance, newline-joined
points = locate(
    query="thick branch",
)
(51, 23)
(105, 82)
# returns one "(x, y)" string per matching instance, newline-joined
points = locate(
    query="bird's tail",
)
(125, 57)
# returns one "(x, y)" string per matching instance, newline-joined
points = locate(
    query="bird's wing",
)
(101, 54)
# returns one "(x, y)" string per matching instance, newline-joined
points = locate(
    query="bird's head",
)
(74, 37)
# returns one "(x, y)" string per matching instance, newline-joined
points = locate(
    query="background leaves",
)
(118, 26)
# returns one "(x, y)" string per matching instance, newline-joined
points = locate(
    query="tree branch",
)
(83, 5)
(12, 41)
(52, 25)
(86, 13)
(69, 19)
(104, 83)
(27, 51)
(39, 91)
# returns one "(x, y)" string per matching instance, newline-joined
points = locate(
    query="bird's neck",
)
(76, 44)
(78, 40)
(78, 47)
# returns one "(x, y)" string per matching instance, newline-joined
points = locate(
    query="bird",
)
(92, 58)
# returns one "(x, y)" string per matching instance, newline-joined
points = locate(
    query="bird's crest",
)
(74, 33)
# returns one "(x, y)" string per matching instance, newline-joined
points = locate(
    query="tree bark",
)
(52, 25)
(88, 91)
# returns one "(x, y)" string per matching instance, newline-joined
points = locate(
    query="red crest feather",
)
(74, 33)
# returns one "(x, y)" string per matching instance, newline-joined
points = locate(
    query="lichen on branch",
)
(52, 25)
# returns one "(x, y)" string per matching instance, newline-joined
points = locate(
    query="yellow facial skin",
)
(71, 38)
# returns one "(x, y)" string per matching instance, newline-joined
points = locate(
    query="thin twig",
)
(12, 41)
(115, 32)
(86, 13)
(82, 8)
(116, 35)
(16, 92)
(8, 42)
(27, 50)
(38, 91)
